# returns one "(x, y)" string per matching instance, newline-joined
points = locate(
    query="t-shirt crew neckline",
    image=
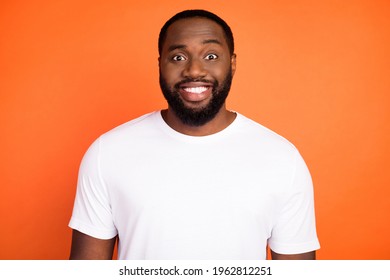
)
(184, 137)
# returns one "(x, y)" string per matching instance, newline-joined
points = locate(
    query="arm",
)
(85, 247)
(304, 256)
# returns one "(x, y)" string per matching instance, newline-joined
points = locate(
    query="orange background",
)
(316, 72)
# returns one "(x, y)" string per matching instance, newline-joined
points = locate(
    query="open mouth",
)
(196, 90)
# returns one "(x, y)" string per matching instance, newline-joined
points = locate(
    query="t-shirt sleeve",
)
(92, 213)
(295, 229)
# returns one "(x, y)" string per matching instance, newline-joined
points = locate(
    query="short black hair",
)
(197, 13)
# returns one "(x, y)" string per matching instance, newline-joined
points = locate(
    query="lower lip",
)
(195, 97)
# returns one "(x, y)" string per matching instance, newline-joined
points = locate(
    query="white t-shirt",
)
(172, 196)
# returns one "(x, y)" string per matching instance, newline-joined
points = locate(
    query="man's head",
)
(197, 63)
(197, 13)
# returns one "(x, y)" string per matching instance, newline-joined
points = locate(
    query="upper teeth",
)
(195, 89)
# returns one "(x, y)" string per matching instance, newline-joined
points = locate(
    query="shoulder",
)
(138, 128)
(134, 125)
(129, 134)
(254, 133)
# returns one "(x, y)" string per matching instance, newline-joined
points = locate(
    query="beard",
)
(197, 116)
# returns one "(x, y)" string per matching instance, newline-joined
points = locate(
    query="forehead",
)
(192, 29)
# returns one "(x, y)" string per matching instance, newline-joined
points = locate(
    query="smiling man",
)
(194, 181)
(196, 71)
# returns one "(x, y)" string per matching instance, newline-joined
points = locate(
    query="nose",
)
(194, 69)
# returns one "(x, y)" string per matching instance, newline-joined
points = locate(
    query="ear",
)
(233, 63)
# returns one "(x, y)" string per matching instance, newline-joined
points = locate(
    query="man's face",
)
(196, 69)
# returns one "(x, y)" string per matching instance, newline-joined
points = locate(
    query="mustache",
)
(189, 80)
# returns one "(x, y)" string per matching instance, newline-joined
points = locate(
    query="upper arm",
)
(294, 229)
(304, 256)
(92, 211)
(85, 247)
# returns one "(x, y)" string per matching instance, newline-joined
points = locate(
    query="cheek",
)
(219, 73)
(170, 74)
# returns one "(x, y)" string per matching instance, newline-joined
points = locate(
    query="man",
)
(194, 181)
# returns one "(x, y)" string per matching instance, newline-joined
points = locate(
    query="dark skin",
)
(194, 48)
(304, 256)
(85, 247)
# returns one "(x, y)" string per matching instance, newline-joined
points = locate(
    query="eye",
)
(178, 58)
(211, 56)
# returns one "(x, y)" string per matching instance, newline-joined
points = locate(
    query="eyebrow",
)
(212, 41)
(205, 42)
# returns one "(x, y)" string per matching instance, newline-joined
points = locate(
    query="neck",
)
(222, 120)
